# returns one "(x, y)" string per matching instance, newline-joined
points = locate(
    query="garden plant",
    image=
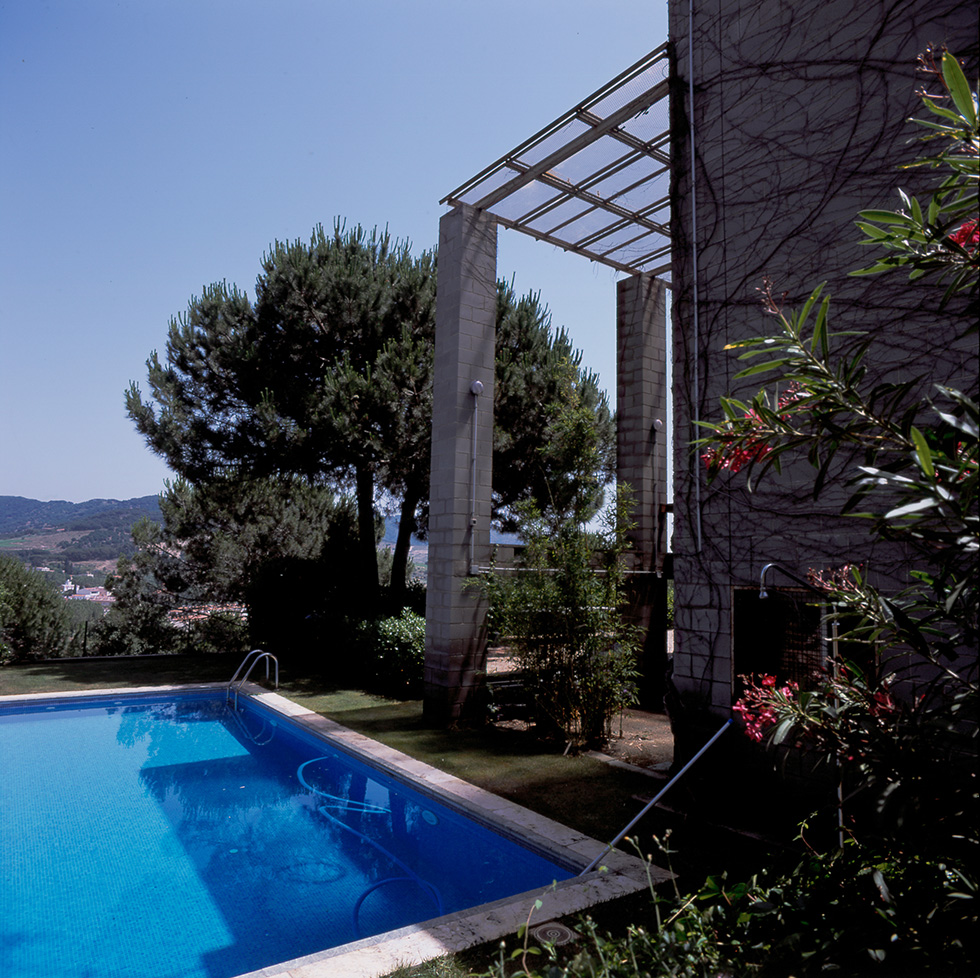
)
(561, 614)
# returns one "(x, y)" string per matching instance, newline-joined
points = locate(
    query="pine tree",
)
(326, 381)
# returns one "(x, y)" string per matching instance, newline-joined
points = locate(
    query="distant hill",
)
(28, 517)
(104, 524)
(391, 536)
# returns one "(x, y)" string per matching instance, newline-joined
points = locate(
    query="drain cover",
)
(553, 933)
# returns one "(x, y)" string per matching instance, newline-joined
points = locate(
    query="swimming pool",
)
(168, 836)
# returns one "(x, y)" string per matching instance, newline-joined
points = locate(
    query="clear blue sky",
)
(149, 147)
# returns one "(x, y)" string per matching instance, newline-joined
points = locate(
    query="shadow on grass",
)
(577, 791)
(65, 675)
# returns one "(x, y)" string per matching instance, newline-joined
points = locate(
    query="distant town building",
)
(97, 594)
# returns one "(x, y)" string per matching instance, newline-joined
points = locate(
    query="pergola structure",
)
(594, 182)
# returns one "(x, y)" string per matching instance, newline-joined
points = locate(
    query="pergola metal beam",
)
(565, 245)
(569, 190)
(630, 140)
(610, 212)
(619, 81)
(628, 111)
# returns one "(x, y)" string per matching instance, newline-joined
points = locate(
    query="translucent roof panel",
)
(597, 180)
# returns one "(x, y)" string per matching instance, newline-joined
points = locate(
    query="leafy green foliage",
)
(391, 653)
(34, 622)
(137, 623)
(561, 612)
(554, 434)
(327, 379)
(929, 239)
(860, 912)
(280, 548)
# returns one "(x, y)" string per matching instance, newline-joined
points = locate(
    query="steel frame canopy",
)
(597, 180)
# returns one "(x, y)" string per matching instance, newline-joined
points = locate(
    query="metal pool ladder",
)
(250, 661)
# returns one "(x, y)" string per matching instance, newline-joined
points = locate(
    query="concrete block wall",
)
(798, 119)
(459, 533)
(642, 400)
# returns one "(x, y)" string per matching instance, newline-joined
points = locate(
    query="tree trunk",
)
(366, 544)
(403, 543)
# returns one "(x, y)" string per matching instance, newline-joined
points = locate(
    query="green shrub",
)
(220, 631)
(392, 652)
(34, 622)
(865, 911)
(562, 615)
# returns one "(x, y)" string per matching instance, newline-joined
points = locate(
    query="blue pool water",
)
(152, 838)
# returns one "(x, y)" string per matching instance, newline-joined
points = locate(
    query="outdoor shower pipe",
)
(763, 593)
(660, 795)
(694, 262)
(476, 389)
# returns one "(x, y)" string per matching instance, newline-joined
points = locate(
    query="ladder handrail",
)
(259, 656)
(256, 652)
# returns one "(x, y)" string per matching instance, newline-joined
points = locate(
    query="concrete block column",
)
(462, 446)
(642, 398)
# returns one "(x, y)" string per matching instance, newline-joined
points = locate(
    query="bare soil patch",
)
(642, 739)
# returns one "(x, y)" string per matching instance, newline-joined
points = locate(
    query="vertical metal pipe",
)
(476, 388)
(835, 665)
(694, 259)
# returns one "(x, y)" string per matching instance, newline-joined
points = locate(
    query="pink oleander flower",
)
(967, 236)
(734, 457)
(793, 393)
(834, 580)
(883, 704)
(752, 449)
(757, 707)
